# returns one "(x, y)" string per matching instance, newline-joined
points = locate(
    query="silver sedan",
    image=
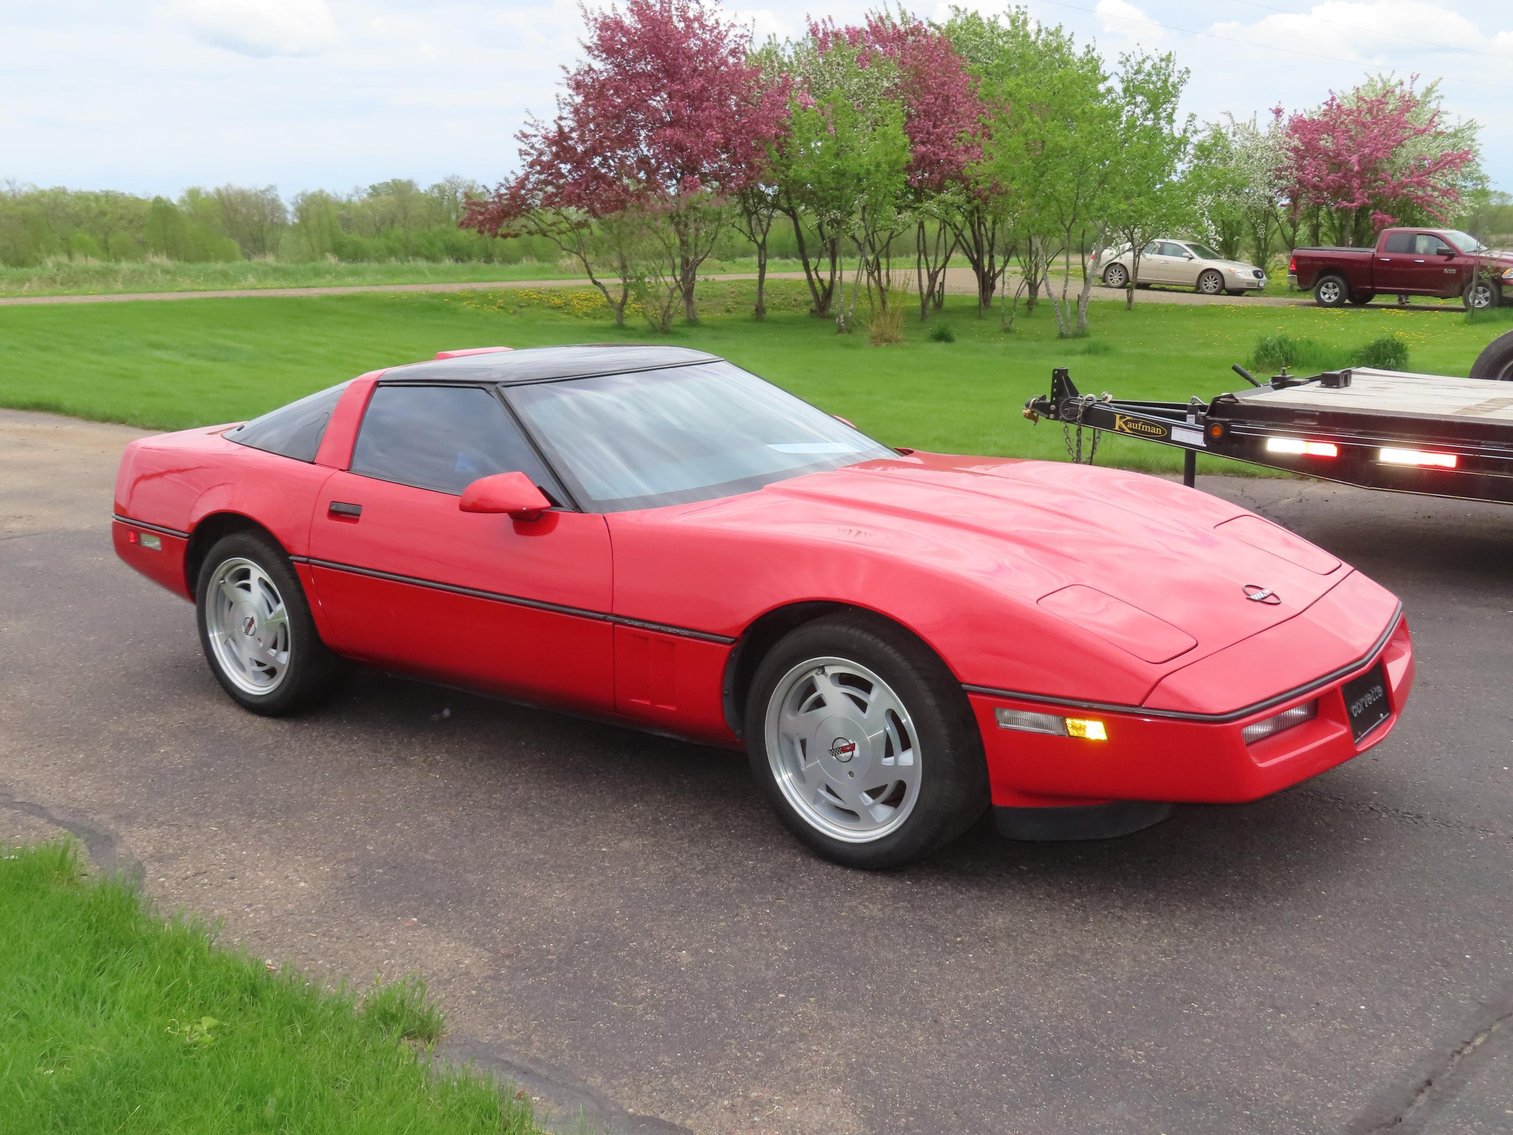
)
(1184, 263)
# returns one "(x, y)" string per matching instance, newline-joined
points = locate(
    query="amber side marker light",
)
(1419, 457)
(1297, 445)
(1087, 728)
(145, 539)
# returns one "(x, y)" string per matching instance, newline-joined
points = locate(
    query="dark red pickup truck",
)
(1405, 262)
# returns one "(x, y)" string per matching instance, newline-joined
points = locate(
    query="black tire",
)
(1210, 282)
(879, 691)
(1361, 299)
(256, 630)
(1496, 359)
(1330, 291)
(1480, 295)
(1116, 275)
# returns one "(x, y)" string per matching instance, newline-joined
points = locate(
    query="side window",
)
(1170, 249)
(1399, 242)
(1432, 245)
(443, 438)
(294, 430)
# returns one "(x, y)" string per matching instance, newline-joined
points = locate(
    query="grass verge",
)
(193, 362)
(114, 1020)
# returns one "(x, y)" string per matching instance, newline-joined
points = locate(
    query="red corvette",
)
(652, 535)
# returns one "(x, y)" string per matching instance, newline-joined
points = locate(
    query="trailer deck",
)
(1413, 433)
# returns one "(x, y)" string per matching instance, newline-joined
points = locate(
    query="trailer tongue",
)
(1410, 433)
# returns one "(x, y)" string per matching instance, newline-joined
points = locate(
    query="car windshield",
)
(682, 434)
(1465, 241)
(1205, 252)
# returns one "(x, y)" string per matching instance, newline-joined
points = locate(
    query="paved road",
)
(615, 919)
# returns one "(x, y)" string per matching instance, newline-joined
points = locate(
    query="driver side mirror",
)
(512, 494)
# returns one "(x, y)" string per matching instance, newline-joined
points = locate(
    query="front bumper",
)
(1183, 756)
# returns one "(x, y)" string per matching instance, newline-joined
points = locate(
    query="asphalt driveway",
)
(615, 920)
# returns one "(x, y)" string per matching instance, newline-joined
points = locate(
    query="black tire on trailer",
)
(1496, 359)
(1330, 291)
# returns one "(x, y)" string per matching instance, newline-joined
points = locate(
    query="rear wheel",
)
(864, 743)
(1361, 299)
(1210, 282)
(1116, 275)
(256, 629)
(1480, 294)
(1496, 359)
(1330, 291)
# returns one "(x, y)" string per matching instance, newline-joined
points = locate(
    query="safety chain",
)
(1074, 410)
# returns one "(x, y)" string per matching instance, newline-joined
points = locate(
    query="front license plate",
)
(1366, 701)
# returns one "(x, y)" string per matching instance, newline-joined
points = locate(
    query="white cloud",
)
(260, 28)
(1377, 32)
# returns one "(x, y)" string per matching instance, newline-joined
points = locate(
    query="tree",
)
(1150, 197)
(942, 117)
(1235, 184)
(841, 164)
(665, 121)
(253, 218)
(1052, 150)
(1378, 155)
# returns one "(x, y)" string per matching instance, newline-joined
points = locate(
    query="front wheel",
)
(1481, 294)
(256, 629)
(1116, 275)
(864, 743)
(1210, 283)
(1330, 292)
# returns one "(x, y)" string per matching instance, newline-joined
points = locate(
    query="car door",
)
(408, 580)
(1165, 261)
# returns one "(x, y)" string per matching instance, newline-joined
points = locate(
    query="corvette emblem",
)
(842, 749)
(1258, 594)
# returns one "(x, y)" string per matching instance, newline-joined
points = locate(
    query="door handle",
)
(344, 510)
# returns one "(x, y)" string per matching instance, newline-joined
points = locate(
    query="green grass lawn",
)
(167, 365)
(117, 1021)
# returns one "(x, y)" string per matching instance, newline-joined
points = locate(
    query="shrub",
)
(1272, 352)
(942, 333)
(1387, 352)
(886, 325)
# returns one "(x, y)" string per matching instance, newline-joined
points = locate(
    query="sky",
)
(155, 97)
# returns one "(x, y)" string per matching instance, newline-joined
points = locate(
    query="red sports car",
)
(653, 535)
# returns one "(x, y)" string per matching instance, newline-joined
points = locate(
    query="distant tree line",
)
(392, 220)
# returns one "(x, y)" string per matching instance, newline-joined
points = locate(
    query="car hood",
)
(1157, 571)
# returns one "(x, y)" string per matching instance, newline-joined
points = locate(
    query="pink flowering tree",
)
(1379, 155)
(658, 129)
(942, 120)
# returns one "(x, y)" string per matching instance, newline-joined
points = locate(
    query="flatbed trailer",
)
(1408, 433)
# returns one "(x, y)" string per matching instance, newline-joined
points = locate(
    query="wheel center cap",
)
(842, 749)
(249, 626)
